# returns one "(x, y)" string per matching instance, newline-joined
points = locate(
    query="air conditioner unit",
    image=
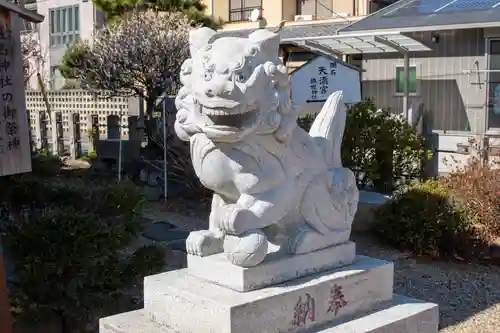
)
(300, 18)
(341, 14)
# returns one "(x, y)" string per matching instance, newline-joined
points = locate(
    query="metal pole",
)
(470, 71)
(165, 173)
(120, 148)
(406, 84)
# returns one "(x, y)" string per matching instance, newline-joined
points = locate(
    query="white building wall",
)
(89, 18)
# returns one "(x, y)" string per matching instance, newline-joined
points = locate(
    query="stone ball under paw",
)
(246, 250)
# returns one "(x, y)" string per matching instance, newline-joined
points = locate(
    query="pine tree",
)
(194, 9)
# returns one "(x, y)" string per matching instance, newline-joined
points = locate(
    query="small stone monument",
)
(276, 256)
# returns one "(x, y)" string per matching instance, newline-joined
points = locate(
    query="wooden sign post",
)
(15, 150)
(5, 317)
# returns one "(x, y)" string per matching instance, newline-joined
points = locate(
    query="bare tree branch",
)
(138, 56)
(33, 55)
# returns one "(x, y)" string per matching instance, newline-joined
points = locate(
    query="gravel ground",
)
(468, 294)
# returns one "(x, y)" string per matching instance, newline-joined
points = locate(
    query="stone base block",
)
(401, 315)
(188, 304)
(275, 269)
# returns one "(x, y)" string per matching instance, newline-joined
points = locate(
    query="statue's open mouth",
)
(239, 117)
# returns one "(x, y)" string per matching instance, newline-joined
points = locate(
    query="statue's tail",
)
(328, 129)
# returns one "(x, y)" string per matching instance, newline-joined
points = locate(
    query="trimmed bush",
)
(68, 241)
(456, 214)
(89, 157)
(476, 191)
(382, 149)
(421, 219)
(44, 163)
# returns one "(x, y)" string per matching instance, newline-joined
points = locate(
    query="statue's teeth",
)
(224, 112)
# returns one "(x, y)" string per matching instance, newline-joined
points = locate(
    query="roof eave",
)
(21, 11)
(460, 26)
(389, 44)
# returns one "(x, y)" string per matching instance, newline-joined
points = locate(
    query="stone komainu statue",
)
(272, 181)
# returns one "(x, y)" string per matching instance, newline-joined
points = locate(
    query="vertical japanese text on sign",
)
(9, 134)
(319, 85)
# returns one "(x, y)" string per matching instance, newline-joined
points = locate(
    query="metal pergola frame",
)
(367, 43)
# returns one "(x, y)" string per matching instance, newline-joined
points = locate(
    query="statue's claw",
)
(237, 220)
(203, 243)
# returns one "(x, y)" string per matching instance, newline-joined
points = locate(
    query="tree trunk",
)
(153, 150)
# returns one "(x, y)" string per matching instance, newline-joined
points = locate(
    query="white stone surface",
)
(401, 315)
(367, 205)
(268, 175)
(373, 198)
(170, 297)
(218, 270)
(131, 322)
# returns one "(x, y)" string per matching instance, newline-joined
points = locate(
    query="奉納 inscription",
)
(336, 300)
(304, 310)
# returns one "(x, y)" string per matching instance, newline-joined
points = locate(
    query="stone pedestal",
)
(275, 268)
(328, 291)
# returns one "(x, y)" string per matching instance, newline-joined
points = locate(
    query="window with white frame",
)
(64, 25)
(412, 80)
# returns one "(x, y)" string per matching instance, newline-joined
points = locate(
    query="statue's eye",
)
(240, 77)
(253, 51)
(208, 75)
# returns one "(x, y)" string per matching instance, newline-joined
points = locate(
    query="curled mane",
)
(267, 84)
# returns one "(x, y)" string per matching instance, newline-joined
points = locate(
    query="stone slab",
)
(401, 315)
(367, 205)
(290, 307)
(275, 269)
(131, 322)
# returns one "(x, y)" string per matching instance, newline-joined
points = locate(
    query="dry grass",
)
(475, 189)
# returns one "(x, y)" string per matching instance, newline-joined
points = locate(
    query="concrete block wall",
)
(111, 112)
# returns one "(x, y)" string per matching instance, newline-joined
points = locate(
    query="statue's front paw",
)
(203, 243)
(237, 221)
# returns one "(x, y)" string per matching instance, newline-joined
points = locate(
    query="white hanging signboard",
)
(15, 150)
(320, 77)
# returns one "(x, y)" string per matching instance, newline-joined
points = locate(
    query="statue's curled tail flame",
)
(328, 129)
